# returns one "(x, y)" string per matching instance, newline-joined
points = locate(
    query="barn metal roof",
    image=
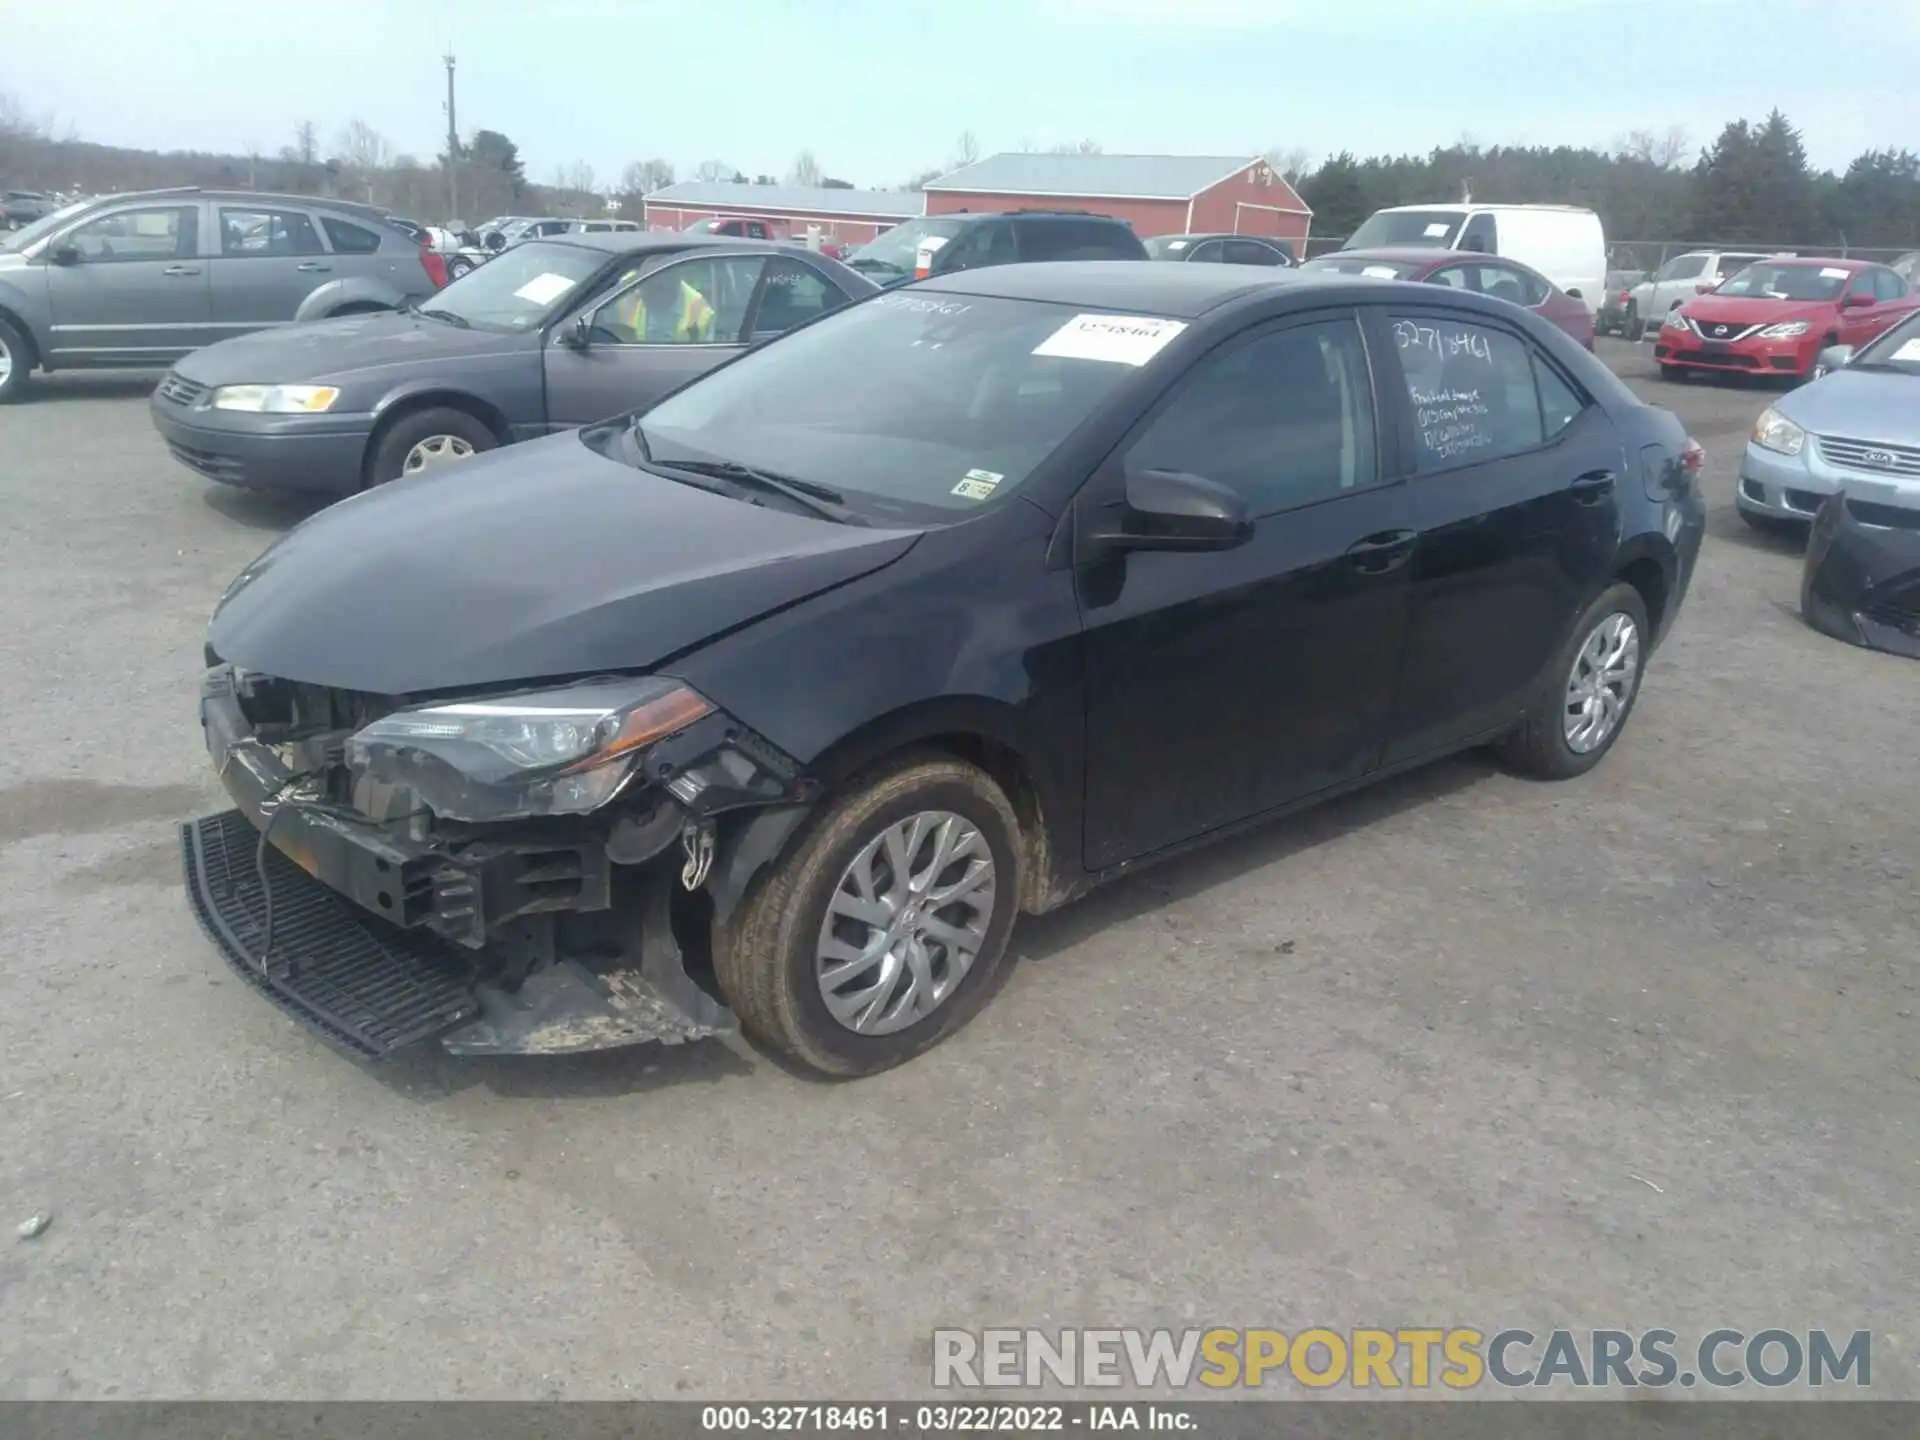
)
(1113, 177)
(796, 199)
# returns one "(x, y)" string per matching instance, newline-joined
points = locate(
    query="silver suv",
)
(139, 280)
(1677, 282)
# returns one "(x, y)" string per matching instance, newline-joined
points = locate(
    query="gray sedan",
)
(1859, 421)
(548, 335)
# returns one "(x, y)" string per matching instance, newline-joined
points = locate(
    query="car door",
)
(1208, 252)
(354, 248)
(267, 259)
(128, 286)
(1884, 293)
(637, 346)
(1674, 284)
(1252, 252)
(1222, 684)
(1514, 498)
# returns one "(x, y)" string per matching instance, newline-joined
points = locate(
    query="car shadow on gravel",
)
(1040, 937)
(1788, 538)
(264, 509)
(69, 385)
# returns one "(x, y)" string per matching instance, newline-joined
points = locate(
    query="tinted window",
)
(1480, 235)
(1078, 240)
(248, 233)
(1560, 403)
(1472, 390)
(348, 238)
(1285, 419)
(988, 244)
(1208, 251)
(696, 302)
(1251, 252)
(156, 234)
(794, 293)
(1684, 267)
(1516, 287)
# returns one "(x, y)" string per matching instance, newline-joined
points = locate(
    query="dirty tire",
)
(16, 358)
(765, 954)
(458, 267)
(1538, 745)
(1635, 328)
(390, 453)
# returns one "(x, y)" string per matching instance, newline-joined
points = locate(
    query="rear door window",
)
(1078, 240)
(1472, 389)
(1251, 252)
(792, 294)
(1208, 251)
(247, 233)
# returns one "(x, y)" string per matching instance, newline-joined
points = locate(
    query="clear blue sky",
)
(878, 91)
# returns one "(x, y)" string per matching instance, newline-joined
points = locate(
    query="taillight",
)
(1693, 459)
(435, 264)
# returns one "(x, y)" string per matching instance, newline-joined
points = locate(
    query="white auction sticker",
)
(978, 484)
(1176, 244)
(544, 289)
(1908, 353)
(1117, 339)
(1380, 272)
(1831, 273)
(1438, 228)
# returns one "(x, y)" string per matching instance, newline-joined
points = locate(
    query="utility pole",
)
(453, 148)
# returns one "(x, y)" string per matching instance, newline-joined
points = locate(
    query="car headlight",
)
(276, 399)
(552, 752)
(1773, 431)
(1785, 330)
(1673, 321)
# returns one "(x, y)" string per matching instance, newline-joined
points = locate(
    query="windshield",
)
(21, 239)
(1898, 349)
(893, 252)
(1788, 282)
(1429, 229)
(913, 407)
(1343, 264)
(518, 288)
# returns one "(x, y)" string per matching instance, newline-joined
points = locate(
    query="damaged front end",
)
(508, 874)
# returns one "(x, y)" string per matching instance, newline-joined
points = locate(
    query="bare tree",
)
(806, 170)
(714, 170)
(966, 151)
(1076, 147)
(643, 177)
(306, 143)
(1294, 162)
(363, 155)
(1664, 149)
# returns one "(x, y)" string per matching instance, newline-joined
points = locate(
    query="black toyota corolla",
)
(782, 699)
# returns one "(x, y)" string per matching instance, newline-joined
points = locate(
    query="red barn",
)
(851, 216)
(1156, 194)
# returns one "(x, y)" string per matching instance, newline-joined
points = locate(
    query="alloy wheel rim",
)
(6, 363)
(433, 451)
(905, 922)
(1600, 685)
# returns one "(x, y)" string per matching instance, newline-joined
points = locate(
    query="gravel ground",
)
(1635, 1051)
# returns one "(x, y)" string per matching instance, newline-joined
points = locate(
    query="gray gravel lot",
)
(1420, 1057)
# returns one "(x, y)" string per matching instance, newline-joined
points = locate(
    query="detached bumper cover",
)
(1861, 582)
(371, 988)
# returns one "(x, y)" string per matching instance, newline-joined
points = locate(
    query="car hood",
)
(539, 561)
(1746, 310)
(12, 260)
(335, 349)
(1859, 405)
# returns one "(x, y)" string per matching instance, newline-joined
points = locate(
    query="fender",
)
(439, 392)
(364, 290)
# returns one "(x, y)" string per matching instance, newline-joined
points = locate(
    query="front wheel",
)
(457, 267)
(427, 440)
(880, 931)
(15, 361)
(1588, 691)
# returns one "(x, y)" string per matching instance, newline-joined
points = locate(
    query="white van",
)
(1563, 242)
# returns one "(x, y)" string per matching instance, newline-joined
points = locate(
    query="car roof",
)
(1820, 262)
(1220, 235)
(201, 192)
(1143, 286)
(649, 242)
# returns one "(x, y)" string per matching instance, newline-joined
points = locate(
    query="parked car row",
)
(947, 606)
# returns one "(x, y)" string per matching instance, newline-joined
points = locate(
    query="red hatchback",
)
(1776, 316)
(1468, 270)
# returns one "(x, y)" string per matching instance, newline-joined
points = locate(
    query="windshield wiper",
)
(867, 262)
(820, 499)
(449, 317)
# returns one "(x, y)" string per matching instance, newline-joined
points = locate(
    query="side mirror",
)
(1174, 510)
(1858, 301)
(578, 335)
(64, 254)
(1834, 357)
(496, 241)
(1703, 287)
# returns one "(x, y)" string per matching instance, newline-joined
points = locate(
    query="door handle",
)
(312, 265)
(181, 270)
(1592, 487)
(1379, 553)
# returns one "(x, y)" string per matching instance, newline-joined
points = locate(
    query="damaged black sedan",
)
(776, 703)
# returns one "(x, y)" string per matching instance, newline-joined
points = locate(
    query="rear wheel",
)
(458, 266)
(1588, 692)
(16, 359)
(880, 931)
(1634, 328)
(427, 440)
